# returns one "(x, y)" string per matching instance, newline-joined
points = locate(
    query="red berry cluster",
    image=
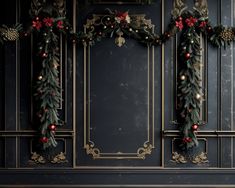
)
(187, 139)
(48, 22)
(52, 128)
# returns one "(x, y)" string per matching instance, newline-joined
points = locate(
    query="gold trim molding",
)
(121, 2)
(140, 154)
(89, 144)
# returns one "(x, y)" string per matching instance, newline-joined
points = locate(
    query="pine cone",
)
(227, 34)
(10, 34)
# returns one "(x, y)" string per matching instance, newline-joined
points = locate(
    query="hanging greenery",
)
(47, 29)
(47, 24)
(191, 25)
(120, 25)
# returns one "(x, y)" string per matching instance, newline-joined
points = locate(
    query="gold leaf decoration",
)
(95, 152)
(201, 7)
(60, 158)
(178, 7)
(36, 158)
(201, 158)
(147, 149)
(140, 20)
(119, 41)
(178, 158)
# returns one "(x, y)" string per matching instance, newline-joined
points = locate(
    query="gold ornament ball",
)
(198, 96)
(183, 77)
(40, 77)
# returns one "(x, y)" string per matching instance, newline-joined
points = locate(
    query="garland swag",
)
(119, 24)
(191, 25)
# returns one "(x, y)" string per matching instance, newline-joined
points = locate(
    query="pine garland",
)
(191, 25)
(189, 89)
(48, 89)
(120, 24)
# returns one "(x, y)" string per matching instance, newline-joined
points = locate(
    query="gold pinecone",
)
(227, 34)
(10, 34)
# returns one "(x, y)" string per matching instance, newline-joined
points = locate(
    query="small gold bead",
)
(183, 77)
(198, 96)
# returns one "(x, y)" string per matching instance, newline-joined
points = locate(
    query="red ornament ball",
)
(187, 140)
(194, 127)
(37, 18)
(187, 55)
(180, 18)
(52, 127)
(44, 139)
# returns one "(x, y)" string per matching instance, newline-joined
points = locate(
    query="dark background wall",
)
(129, 105)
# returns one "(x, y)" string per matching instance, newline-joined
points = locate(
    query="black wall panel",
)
(117, 102)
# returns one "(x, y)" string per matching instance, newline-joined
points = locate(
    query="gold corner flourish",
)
(146, 149)
(59, 158)
(178, 158)
(37, 159)
(90, 149)
(201, 158)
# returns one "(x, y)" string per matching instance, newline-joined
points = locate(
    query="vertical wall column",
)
(226, 88)
(11, 65)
